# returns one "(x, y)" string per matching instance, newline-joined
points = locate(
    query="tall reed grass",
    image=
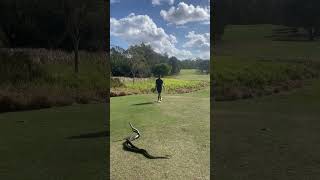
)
(39, 78)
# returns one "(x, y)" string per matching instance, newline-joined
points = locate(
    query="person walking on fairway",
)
(159, 85)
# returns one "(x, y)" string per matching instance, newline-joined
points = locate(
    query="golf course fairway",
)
(179, 126)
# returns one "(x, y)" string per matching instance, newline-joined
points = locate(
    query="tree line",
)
(142, 61)
(303, 14)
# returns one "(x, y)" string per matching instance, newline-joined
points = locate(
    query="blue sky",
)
(178, 28)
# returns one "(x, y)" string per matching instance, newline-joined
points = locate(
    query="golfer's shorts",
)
(159, 90)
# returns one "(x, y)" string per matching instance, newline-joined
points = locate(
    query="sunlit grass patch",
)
(188, 80)
(171, 85)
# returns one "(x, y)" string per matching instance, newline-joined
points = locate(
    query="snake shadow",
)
(128, 146)
(91, 135)
(145, 103)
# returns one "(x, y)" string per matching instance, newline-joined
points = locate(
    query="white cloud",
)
(158, 2)
(114, 1)
(206, 23)
(136, 29)
(200, 43)
(185, 13)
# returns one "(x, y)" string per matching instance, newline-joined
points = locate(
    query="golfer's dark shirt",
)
(159, 83)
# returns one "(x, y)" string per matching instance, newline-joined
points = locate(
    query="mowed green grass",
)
(58, 143)
(192, 74)
(271, 137)
(179, 126)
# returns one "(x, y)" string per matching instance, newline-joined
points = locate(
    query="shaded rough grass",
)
(58, 85)
(280, 132)
(55, 143)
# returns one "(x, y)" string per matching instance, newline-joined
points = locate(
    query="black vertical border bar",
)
(212, 86)
(107, 102)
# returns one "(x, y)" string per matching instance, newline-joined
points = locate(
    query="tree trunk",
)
(76, 56)
(133, 75)
(311, 34)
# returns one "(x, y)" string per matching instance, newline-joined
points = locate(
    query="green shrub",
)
(162, 69)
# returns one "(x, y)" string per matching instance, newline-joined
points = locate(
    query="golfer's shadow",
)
(91, 135)
(145, 103)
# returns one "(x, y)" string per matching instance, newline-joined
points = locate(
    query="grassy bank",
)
(242, 78)
(250, 62)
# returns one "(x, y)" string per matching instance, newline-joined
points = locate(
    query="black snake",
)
(128, 146)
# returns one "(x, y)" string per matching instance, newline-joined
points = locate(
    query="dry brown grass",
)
(12, 99)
